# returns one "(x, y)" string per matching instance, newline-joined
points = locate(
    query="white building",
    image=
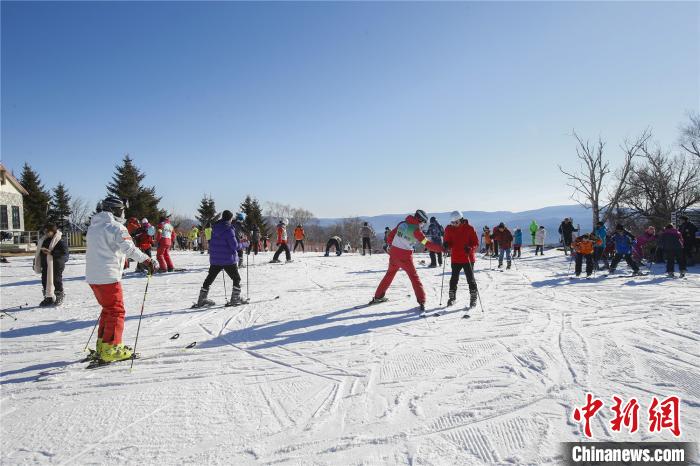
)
(11, 202)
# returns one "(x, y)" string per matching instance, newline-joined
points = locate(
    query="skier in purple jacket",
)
(671, 241)
(223, 255)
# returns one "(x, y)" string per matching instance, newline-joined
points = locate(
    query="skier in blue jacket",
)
(624, 241)
(598, 252)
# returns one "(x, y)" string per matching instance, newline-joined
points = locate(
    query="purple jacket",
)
(670, 240)
(223, 245)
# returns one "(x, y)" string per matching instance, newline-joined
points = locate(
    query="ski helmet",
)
(240, 216)
(421, 216)
(115, 206)
(285, 221)
(144, 220)
(456, 216)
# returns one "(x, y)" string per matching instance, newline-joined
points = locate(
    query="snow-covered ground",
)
(310, 379)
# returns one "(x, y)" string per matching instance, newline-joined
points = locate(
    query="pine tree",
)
(126, 184)
(207, 212)
(36, 203)
(254, 215)
(59, 207)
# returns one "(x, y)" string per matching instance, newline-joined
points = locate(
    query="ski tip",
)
(191, 345)
(466, 316)
(175, 337)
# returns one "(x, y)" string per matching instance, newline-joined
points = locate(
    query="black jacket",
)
(688, 230)
(567, 229)
(59, 254)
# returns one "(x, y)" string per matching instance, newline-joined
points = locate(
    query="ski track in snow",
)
(313, 378)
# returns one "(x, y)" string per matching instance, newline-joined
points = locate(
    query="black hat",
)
(421, 216)
(227, 215)
(113, 204)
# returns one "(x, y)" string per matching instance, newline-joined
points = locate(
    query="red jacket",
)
(281, 235)
(409, 234)
(504, 238)
(460, 237)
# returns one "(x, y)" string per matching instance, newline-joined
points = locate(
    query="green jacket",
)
(534, 227)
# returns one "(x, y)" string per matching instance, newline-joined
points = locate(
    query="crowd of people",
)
(114, 241)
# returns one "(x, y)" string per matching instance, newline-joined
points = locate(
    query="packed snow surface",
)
(311, 378)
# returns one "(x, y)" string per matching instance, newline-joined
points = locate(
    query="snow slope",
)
(309, 379)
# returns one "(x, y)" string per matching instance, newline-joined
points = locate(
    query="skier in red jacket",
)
(461, 238)
(401, 241)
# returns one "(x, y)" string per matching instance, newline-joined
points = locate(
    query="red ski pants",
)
(405, 264)
(163, 255)
(111, 324)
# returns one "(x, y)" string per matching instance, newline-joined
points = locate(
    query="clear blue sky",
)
(342, 108)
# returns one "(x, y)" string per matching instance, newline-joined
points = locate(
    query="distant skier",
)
(504, 238)
(204, 237)
(143, 238)
(517, 242)
(254, 240)
(534, 228)
(282, 242)
(599, 251)
(402, 239)
(49, 261)
(387, 230)
(584, 246)
(299, 235)
(462, 241)
(494, 241)
(487, 241)
(540, 237)
(164, 236)
(223, 255)
(672, 242)
(242, 235)
(645, 246)
(688, 231)
(108, 244)
(566, 230)
(624, 242)
(334, 242)
(193, 237)
(435, 234)
(367, 233)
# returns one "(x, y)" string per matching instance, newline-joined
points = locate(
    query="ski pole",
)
(478, 295)
(4, 311)
(93, 332)
(444, 263)
(138, 329)
(223, 277)
(247, 279)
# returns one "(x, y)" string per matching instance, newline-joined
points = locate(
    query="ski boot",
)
(236, 297)
(421, 307)
(473, 295)
(46, 302)
(636, 273)
(452, 298)
(59, 298)
(113, 353)
(500, 264)
(611, 271)
(682, 274)
(508, 265)
(202, 300)
(376, 300)
(326, 255)
(289, 260)
(275, 261)
(671, 275)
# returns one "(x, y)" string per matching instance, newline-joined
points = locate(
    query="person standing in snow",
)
(461, 240)
(645, 246)
(534, 228)
(282, 242)
(504, 238)
(242, 235)
(224, 248)
(487, 241)
(584, 246)
(624, 242)
(108, 244)
(143, 238)
(164, 237)
(688, 231)
(672, 243)
(599, 250)
(402, 239)
(299, 235)
(517, 242)
(193, 236)
(540, 237)
(387, 230)
(435, 234)
(204, 237)
(334, 242)
(254, 240)
(566, 230)
(367, 233)
(494, 242)
(49, 261)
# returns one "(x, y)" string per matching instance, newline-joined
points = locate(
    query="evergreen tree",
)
(254, 215)
(36, 203)
(126, 184)
(207, 212)
(59, 207)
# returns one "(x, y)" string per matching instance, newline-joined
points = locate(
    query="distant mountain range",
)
(550, 217)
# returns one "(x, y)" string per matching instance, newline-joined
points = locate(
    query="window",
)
(16, 224)
(3, 217)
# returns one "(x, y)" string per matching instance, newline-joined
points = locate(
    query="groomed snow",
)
(309, 379)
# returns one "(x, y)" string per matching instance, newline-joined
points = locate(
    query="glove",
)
(150, 265)
(446, 245)
(467, 249)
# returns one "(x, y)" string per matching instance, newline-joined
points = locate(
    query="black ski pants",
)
(298, 242)
(628, 258)
(468, 272)
(285, 248)
(333, 243)
(366, 244)
(231, 271)
(675, 256)
(579, 263)
(435, 256)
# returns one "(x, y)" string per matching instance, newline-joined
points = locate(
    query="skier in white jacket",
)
(540, 236)
(108, 245)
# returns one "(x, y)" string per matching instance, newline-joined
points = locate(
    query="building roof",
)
(7, 175)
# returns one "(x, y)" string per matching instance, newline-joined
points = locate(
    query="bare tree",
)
(592, 184)
(80, 212)
(690, 135)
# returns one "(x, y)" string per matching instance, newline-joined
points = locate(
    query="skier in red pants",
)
(109, 244)
(164, 239)
(401, 241)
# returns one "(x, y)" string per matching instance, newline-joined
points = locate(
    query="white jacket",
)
(539, 237)
(108, 245)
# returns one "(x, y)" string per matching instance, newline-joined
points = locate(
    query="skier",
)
(282, 242)
(50, 260)
(299, 236)
(223, 255)
(131, 226)
(193, 236)
(461, 239)
(672, 242)
(517, 242)
(164, 237)
(335, 242)
(435, 233)
(540, 237)
(254, 240)
(367, 232)
(534, 228)
(265, 240)
(599, 250)
(143, 238)
(387, 230)
(486, 241)
(241, 235)
(624, 241)
(566, 230)
(688, 231)
(645, 247)
(504, 238)
(108, 244)
(204, 237)
(402, 239)
(584, 246)
(494, 242)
